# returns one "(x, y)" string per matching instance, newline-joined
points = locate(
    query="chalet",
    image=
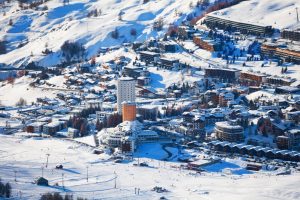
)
(264, 125)
(136, 45)
(147, 136)
(212, 118)
(254, 89)
(103, 115)
(148, 56)
(169, 63)
(168, 46)
(45, 119)
(296, 105)
(148, 112)
(287, 90)
(225, 98)
(73, 133)
(294, 136)
(128, 144)
(276, 80)
(188, 117)
(132, 71)
(185, 33)
(143, 81)
(278, 128)
(91, 96)
(293, 116)
(47, 101)
(53, 127)
(93, 104)
(283, 142)
(35, 127)
(212, 95)
(253, 151)
(104, 78)
(198, 127)
(147, 92)
(145, 73)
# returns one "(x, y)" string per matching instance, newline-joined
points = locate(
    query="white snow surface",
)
(10, 94)
(30, 156)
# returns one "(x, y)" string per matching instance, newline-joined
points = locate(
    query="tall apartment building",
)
(125, 91)
(128, 111)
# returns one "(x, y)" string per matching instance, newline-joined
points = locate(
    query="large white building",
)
(125, 91)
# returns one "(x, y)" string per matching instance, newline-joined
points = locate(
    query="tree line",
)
(5, 190)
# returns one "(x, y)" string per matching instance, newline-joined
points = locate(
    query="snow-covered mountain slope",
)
(70, 22)
(32, 29)
(277, 13)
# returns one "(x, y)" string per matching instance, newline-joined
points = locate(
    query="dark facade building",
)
(225, 75)
(148, 56)
(185, 33)
(245, 28)
(291, 34)
(275, 80)
(169, 63)
(283, 142)
(132, 71)
(287, 90)
(168, 46)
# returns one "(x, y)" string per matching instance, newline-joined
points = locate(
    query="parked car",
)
(59, 166)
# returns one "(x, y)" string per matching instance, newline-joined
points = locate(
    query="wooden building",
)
(206, 43)
(252, 78)
(149, 56)
(169, 63)
(286, 53)
(283, 142)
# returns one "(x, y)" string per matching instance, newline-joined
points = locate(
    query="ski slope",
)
(36, 28)
(29, 160)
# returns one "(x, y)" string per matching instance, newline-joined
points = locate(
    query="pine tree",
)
(2, 47)
(99, 125)
(7, 190)
(83, 129)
